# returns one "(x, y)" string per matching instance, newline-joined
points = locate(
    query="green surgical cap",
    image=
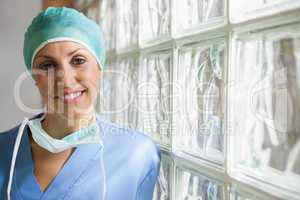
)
(63, 24)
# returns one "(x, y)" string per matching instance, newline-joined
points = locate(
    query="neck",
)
(58, 126)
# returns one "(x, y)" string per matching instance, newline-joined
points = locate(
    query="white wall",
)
(15, 16)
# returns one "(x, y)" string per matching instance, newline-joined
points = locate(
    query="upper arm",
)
(146, 186)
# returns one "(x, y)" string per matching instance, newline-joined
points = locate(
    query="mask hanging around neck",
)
(87, 135)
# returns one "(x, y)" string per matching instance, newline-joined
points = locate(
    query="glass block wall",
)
(216, 84)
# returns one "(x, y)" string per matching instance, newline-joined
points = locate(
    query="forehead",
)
(60, 48)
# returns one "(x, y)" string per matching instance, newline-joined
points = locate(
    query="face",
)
(67, 76)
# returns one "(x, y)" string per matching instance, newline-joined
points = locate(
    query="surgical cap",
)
(63, 24)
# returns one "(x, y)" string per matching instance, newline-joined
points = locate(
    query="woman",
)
(69, 152)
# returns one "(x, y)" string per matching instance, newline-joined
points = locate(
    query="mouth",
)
(71, 97)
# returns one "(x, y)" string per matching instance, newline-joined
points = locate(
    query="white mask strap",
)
(14, 156)
(104, 173)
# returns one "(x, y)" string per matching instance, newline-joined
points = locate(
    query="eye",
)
(46, 65)
(78, 60)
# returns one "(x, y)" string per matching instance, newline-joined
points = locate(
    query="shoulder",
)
(11, 134)
(8, 132)
(7, 139)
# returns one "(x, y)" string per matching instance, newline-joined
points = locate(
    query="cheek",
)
(91, 78)
(91, 81)
(44, 85)
(95, 79)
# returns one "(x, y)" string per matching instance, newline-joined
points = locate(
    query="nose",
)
(65, 75)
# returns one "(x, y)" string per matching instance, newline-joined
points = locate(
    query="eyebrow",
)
(69, 54)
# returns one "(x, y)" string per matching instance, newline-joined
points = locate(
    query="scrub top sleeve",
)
(146, 187)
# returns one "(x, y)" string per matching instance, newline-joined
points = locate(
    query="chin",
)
(77, 113)
(72, 111)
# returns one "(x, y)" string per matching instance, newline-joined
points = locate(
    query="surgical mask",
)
(86, 135)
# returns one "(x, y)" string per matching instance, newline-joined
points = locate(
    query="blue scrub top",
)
(131, 162)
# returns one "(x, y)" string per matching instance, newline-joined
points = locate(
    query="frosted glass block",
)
(192, 13)
(201, 74)
(244, 10)
(107, 21)
(236, 196)
(119, 92)
(162, 189)
(154, 96)
(245, 193)
(155, 19)
(265, 106)
(236, 193)
(193, 186)
(127, 23)
(104, 106)
(253, 5)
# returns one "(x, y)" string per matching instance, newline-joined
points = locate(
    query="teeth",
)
(72, 95)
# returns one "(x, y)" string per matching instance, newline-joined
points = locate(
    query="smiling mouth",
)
(70, 97)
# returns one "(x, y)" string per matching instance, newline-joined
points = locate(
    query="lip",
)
(73, 91)
(71, 99)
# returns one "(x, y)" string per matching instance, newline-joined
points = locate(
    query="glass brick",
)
(197, 12)
(119, 92)
(245, 10)
(162, 189)
(191, 186)
(127, 24)
(154, 96)
(266, 92)
(155, 20)
(107, 21)
(201, 72)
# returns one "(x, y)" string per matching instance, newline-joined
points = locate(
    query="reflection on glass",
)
(154, 100)
(127, 31)
(163, 185)
(239, 197)
(256, 4)
(267, 95)
(119, 92)
(240, 8)
(107, 21)
(155, 20)
(107, 92)
(190, 186)
(196, 12)
(236, 194)
(201, 71)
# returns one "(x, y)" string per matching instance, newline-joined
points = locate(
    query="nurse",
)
(69, 152)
